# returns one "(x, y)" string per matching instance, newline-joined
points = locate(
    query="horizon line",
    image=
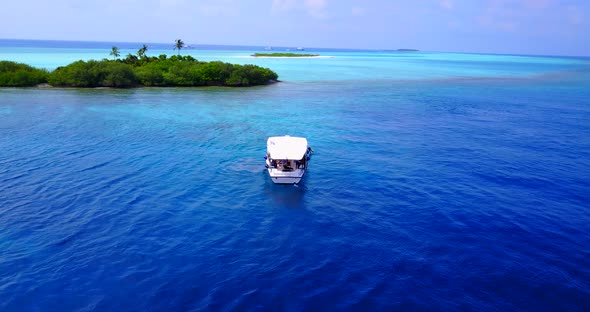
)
(294, 47)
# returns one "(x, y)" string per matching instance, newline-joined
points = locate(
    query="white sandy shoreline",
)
(286, 57)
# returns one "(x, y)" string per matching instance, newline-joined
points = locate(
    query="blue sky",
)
(554, 27)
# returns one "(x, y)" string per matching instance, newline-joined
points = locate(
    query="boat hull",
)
(280, 177)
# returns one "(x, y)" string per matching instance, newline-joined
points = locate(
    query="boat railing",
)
(288, 165)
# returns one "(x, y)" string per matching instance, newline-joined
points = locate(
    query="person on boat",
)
(287, 165)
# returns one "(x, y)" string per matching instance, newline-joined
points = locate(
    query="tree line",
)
(136, 71)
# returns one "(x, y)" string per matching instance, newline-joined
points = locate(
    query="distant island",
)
(402, 50)
(283, 55)
(134, 71)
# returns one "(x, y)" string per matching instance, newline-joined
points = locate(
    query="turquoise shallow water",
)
(333, 64)
(440, 182)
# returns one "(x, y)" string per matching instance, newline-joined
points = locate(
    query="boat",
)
(300, 49)
(287, 158)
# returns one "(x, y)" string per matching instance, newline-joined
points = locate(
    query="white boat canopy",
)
(286, 147)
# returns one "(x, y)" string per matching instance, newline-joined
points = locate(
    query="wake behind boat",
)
(287, 158)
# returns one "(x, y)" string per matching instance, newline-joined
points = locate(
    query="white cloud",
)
(283, 5)
(171, 3)
(358, 11)
(453, 24)
(227, 8)
(507, 15)
(575, 16)
(519, 15)
(447, 4)
(315, 8)
(537, 4)
(497, 23)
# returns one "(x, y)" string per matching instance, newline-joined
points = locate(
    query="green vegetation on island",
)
(133, 71)
(137, 71)
(20, 75)
(283, 55)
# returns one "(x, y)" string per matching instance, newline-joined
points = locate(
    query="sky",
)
(546, 27)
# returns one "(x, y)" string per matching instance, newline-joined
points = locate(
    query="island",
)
(134, 71)
(284, 55)
(407, 50)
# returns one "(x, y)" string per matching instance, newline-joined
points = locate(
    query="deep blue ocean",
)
(440, 181)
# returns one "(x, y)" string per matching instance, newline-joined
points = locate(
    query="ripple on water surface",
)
(439, 194)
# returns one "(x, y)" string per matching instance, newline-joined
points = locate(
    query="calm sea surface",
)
(440, 181)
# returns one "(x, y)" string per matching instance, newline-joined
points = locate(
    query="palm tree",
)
(178, 45)
(141, 51)
(115, 52)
